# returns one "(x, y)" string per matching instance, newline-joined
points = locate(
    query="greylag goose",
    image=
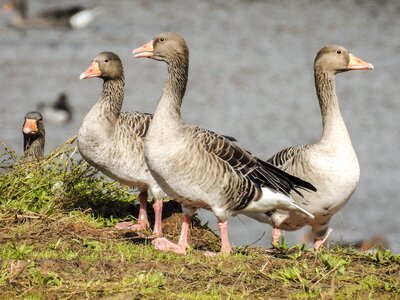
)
(34, 136)
(58, 112)
(199, 168)
(75, 16)
(112, 141)
(330, 164)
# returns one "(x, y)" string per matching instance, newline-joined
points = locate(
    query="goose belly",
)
(335, 180)
(120, 162)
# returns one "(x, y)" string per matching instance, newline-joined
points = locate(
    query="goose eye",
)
(339, 52)
(106, 60)
(161, 39)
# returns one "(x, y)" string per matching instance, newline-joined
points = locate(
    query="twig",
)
(264, 266)
(12, 277)
(259, 239)
(323, 277)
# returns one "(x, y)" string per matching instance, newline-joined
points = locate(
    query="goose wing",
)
(244, 163)
(287, 156)
(140, 122)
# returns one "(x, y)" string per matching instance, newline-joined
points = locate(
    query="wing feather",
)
(286, 156)
(138, 121)
(261, 173)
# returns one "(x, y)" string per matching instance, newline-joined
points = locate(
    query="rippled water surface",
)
(251, 77)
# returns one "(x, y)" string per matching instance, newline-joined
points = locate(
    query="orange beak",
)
(8, 6)
(92, 71)
(146, 50)
(358, 64)
(30, 127)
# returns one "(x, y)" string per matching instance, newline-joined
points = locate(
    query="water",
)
(251, 77)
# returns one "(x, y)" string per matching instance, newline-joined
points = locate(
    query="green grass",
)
(57, 241)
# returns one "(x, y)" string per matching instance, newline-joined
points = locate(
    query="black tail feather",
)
(293, 181)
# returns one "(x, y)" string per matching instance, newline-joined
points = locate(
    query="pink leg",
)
(225, 245)
(165, 245)
(143, 221)
(157, 206)
(318, 242)
(276, 234)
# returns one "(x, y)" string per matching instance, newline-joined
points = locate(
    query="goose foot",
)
(276, 234)
(163, 244)
(226, 248)
(143, 221)
(130, 226)
(318, 242)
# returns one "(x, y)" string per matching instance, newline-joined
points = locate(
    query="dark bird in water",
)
(75, 16)
(58, 112)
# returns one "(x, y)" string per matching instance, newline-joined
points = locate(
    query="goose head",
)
(105, 65)
(167, 46)
(334, 59)
(33, 125)
(34, 136)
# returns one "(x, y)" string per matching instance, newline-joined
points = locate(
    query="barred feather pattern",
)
(33, 147)
(255, 172)
(231, 157)
(289, 155)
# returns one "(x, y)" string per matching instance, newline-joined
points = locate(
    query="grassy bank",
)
(57, 241)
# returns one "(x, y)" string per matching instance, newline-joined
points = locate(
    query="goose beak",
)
(8, 6)
(30, 127)
(146, 50)
(358, 64)
(92, 71)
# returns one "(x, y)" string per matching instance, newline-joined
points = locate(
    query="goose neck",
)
(21, 8)
(332, 121)
(33, 147)
(112, 98)
(174, 89)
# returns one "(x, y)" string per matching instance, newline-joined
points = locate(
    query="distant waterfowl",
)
(112, 141)
(199, 168)
(330, 164)
(34, 136)
(75, 16)
(58, 112)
